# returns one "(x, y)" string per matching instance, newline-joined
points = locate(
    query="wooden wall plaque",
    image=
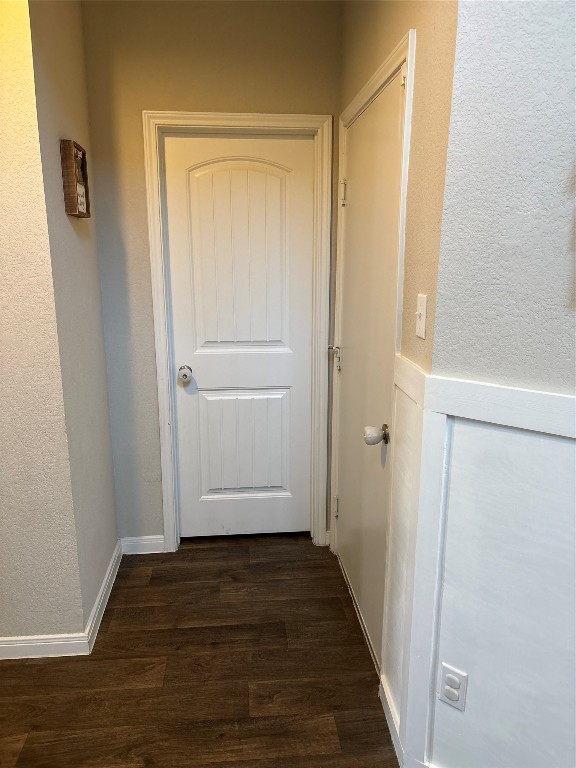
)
(75, 179)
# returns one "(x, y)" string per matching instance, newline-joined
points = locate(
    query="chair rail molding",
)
(535, 410)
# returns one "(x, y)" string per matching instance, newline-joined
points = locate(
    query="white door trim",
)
(403, 56)
(156, 126)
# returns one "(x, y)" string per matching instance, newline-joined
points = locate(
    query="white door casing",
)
(253, 332)
(374, 143)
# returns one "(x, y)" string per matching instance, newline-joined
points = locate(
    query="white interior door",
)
(372, 158)
(240, 242)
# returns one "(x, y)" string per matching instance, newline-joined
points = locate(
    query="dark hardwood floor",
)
(241, 652)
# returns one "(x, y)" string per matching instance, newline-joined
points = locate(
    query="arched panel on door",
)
(240, 265)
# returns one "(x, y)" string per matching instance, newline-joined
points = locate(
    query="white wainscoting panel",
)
(508, 600)
(401, 546)
(434, 467)
(491, 541)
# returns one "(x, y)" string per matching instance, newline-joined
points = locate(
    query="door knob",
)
(184, 373)
(375, 435)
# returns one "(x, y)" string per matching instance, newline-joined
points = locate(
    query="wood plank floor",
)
(244, 652)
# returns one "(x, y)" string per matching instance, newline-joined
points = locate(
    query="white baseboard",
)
(330, 540)
(93, 624)
(68, 644)
(37, 646)
(391, 725)
(322, 539)
(404, 760)
(360, 617)
(142, 545)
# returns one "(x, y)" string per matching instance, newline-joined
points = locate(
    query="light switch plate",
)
(421, 315)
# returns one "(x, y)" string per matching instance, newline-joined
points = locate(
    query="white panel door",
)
(373, 172)
(240, 243)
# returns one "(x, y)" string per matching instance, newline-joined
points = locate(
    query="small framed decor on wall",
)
(75, 179)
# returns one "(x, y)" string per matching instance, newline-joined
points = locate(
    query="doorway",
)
(239, 232)
(374, 139)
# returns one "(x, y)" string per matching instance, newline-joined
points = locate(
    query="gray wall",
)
(195, 56)
(505, 308)
(63, 114)
(39, 578)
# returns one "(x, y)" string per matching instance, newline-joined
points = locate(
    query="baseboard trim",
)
(68, 644)
(323, 539)
(391, 725)
(359, 615)
(93, 624)
(390, 703)
(404, 760)
(38, 646)
(142, 545)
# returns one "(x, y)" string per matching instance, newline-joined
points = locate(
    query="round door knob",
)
(184, 373)
(375, 435)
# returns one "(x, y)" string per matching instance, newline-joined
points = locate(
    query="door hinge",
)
(337, 506)
(337, 355)
(343, 184)
(403, 75)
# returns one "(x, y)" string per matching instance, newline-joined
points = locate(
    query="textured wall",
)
(196, 56)
(505, 293)
(39, 579)
(63, 114)
(371, 30)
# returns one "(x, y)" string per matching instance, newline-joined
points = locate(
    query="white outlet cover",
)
(450, 694)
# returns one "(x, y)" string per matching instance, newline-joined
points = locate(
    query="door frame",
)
(158, 125)
(402, 59)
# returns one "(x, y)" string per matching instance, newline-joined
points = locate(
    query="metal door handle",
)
(184, 373)
(375, 435)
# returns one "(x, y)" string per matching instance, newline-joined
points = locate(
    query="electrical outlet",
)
(453, 686)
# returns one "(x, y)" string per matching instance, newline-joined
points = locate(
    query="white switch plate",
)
(421, 315)
(453, 686)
